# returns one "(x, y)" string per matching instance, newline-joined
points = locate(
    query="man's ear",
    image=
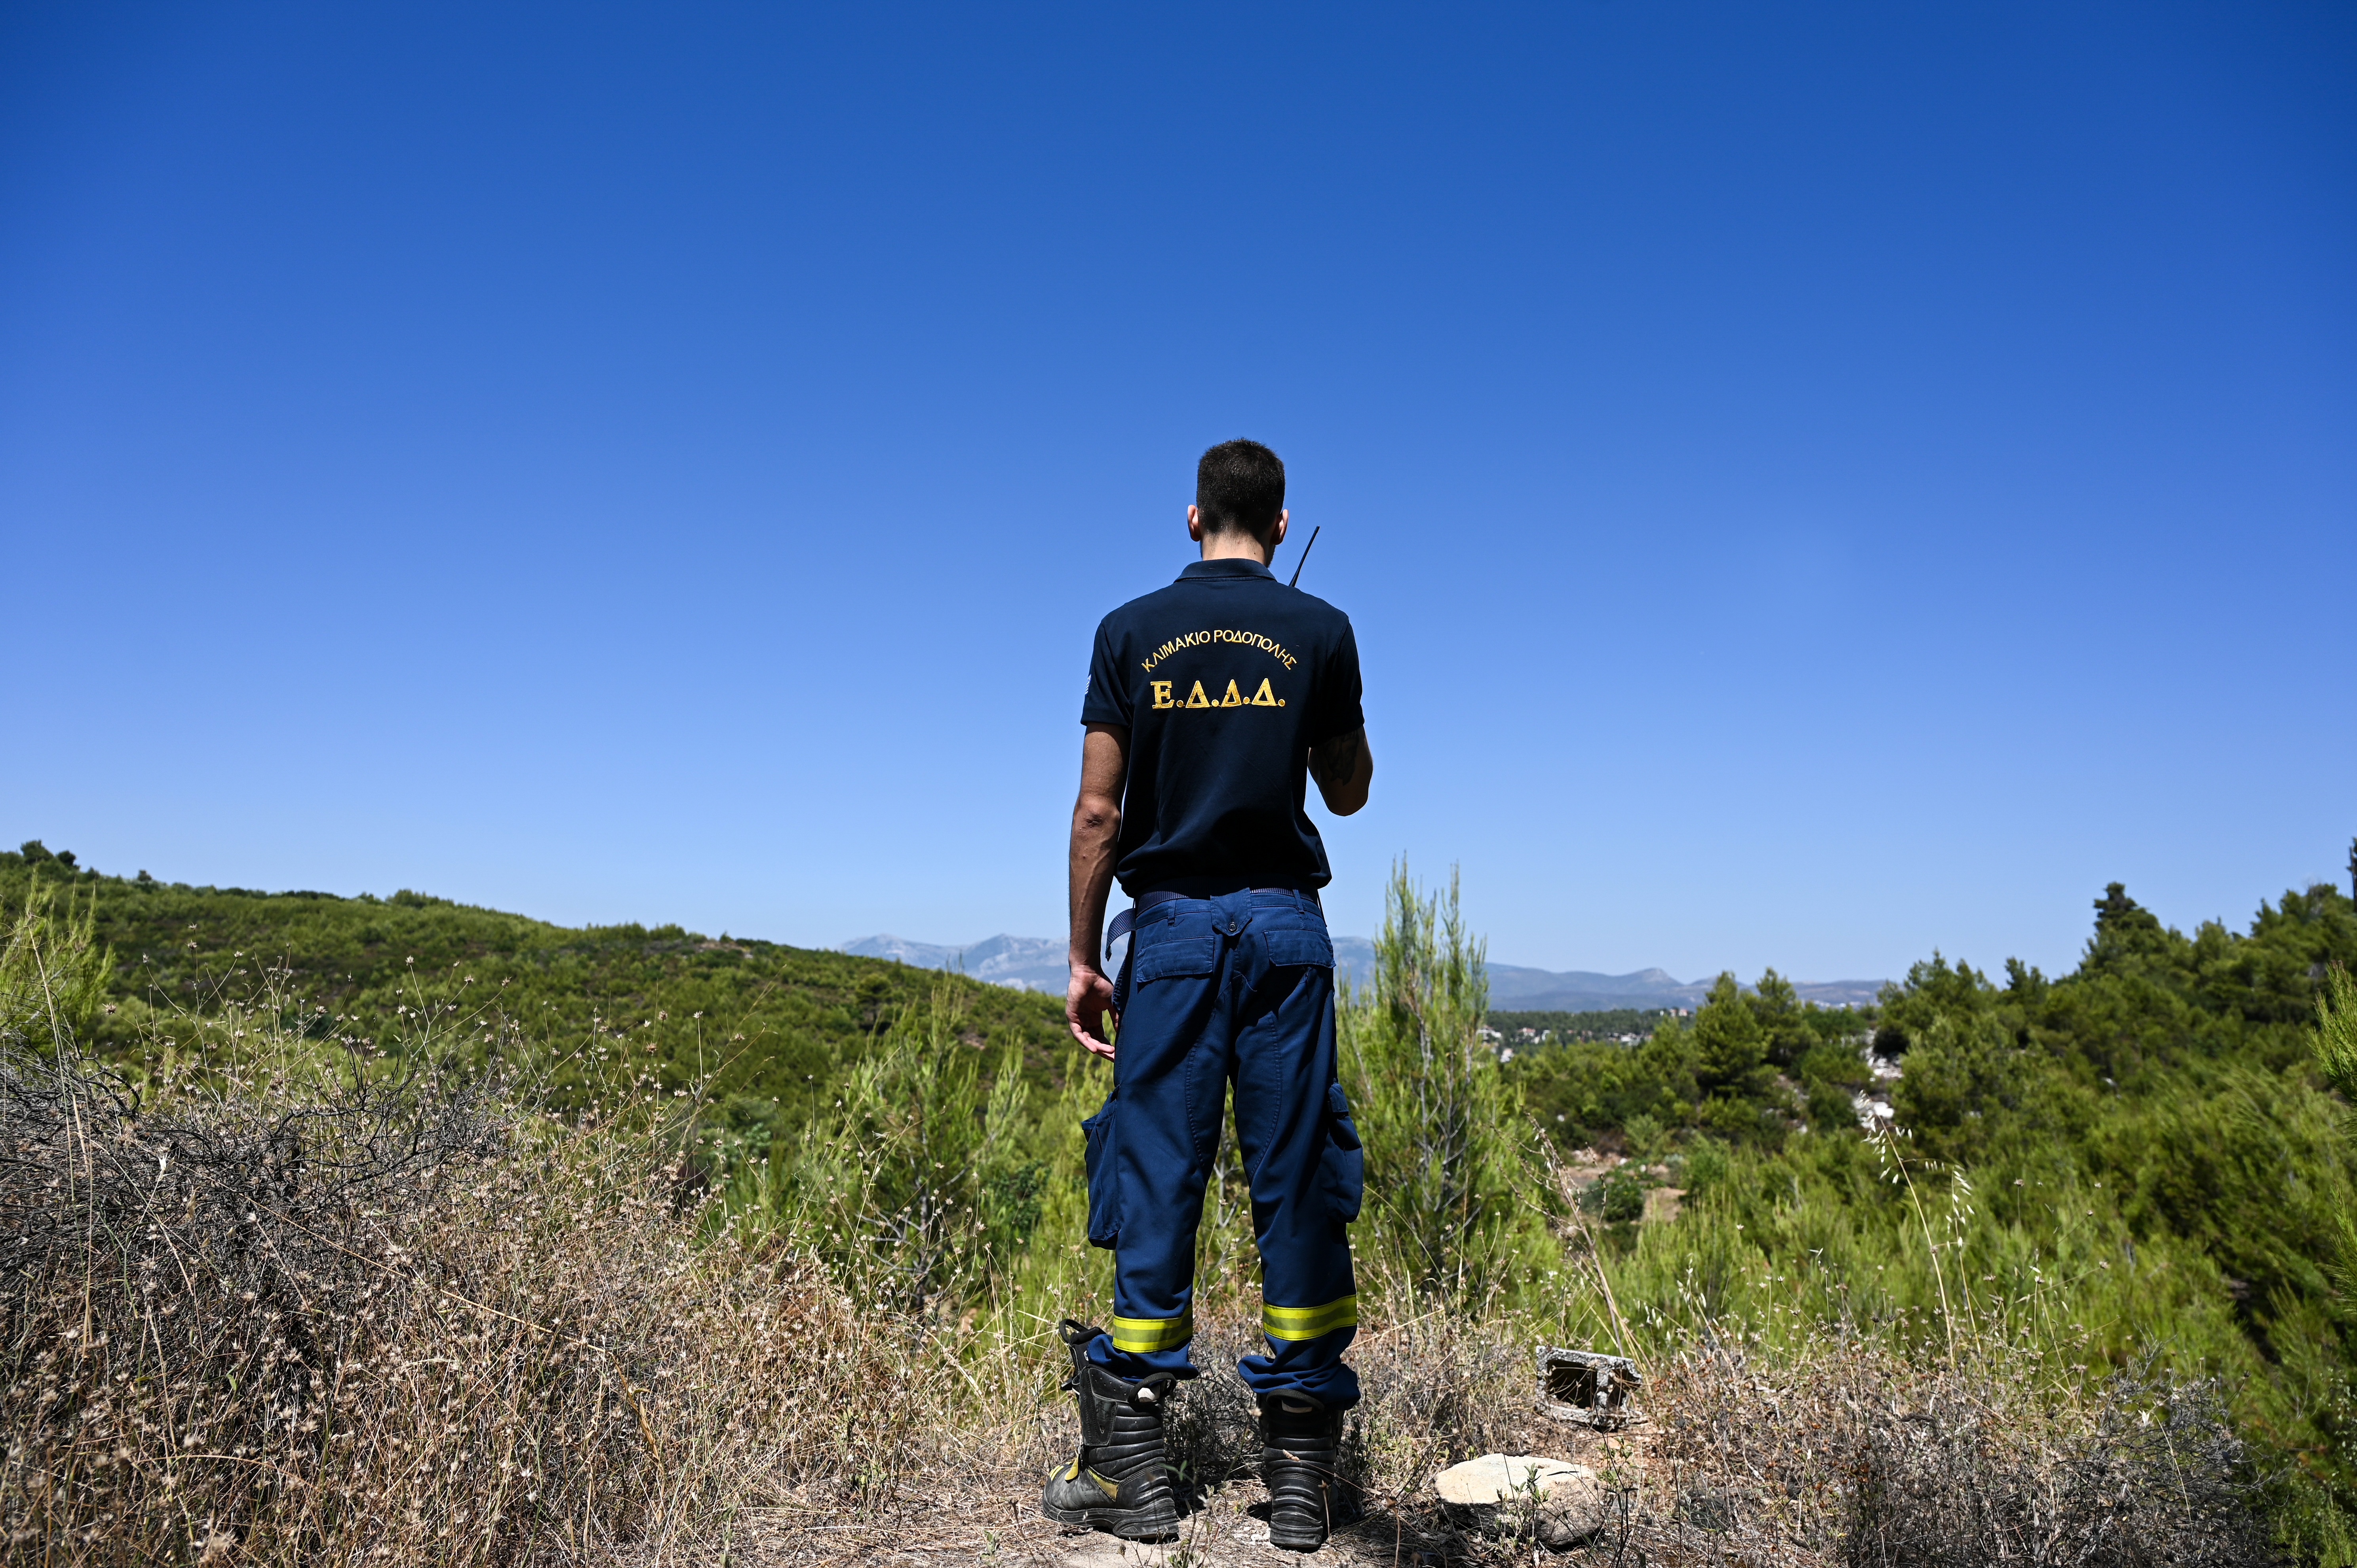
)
(1278, 537)
(1194, 525)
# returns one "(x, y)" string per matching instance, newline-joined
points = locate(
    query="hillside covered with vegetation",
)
(1521, 1030)
(2103, 1204)
(761, 1027)
(2144, 1154)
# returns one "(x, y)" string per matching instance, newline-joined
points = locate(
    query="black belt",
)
(1126, 921)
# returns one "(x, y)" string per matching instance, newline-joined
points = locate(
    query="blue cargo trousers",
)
(1236, 989)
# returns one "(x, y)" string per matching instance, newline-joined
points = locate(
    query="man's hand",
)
(1087, 999)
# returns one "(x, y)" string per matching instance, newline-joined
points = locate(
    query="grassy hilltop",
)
(764, 1027)
(594, 1240)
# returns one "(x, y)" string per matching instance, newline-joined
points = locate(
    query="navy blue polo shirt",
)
(1224, 680)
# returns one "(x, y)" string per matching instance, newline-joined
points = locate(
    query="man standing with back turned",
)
(1210, 704)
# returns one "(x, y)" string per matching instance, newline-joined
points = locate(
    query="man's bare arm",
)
(1344, 766)
(1097, 834)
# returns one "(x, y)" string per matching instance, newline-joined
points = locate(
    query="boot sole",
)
(1129, 1524)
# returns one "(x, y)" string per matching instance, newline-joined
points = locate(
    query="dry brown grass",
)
(1847, 1453)
(301, 1316)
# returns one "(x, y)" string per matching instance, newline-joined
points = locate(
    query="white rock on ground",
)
(1524, 1494)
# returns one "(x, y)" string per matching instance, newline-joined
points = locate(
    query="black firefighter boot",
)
(1300, 1447)
(1117, 1482)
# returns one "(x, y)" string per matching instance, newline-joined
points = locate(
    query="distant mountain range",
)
(1036, 963)
(1026, 963)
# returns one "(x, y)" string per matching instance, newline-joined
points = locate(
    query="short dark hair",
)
(1240, 488)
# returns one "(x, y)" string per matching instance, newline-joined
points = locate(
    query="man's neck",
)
(1237, 545)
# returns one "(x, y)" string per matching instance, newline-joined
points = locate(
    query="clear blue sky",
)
(1814, 483)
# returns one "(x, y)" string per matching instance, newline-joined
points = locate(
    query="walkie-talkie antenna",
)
(1306, 549)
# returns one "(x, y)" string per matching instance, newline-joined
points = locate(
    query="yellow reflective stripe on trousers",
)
(1140, 1335)
(1309, 1322)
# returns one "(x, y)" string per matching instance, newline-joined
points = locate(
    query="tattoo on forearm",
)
(1332, 762)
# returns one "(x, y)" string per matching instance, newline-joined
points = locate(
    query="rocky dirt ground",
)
(998, 1523)
(1226, 1532)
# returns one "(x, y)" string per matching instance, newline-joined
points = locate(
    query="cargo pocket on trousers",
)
(1343, 1165)
(1104, 1206)
(1289, 948)
(1156, 956)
